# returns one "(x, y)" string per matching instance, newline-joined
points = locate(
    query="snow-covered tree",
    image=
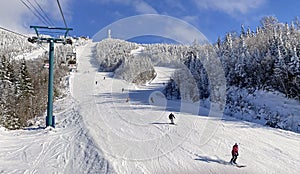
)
(23, 83)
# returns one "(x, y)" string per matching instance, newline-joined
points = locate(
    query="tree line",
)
(266, 59)
(24, 84)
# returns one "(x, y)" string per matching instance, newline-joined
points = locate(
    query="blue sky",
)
(212, 17)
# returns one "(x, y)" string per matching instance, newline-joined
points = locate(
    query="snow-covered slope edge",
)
(65, 149)
(125, 60)
(267, 108)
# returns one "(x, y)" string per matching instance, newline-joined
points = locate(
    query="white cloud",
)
(178, 4)
(230, 6)
(17, 17)
(144, 8)
(190, 19)
(140, 6)
(12, 14)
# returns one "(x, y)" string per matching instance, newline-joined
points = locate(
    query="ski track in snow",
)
(65, 149)
(136, 137)
(97, 131)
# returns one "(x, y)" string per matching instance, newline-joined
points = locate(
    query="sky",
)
(213, 18)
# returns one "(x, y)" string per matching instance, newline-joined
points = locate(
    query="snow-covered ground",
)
(97, 131)
(34, 54)
(136, 138)
(265, 107)
(137, 51)
(60, 150)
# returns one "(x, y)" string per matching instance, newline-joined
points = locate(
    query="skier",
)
(96, 82)
(152, 100)
(234, 153)
(171, 117)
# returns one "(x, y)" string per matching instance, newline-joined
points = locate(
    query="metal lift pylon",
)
(50, 119)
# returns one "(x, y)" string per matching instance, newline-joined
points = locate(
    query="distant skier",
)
(171, 117)
(96, 82)
(122, 89)
(103, 78)
(234, 153)
(152, 100)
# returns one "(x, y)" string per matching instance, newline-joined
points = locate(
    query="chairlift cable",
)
(46, 16)
(13, 32)
(16, 33)
(37, 12)
(61, 12)
(33, 12)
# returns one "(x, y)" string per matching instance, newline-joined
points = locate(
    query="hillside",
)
(13, 44)
(24, 78)
(97, 131)
(215, 74)
(135, 136)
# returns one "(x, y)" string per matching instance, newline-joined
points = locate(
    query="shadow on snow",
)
(140, 99)
(210, 160)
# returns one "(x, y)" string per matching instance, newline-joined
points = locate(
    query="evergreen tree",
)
(269, 23)
(25, 93)
(26, 86)
(3, 108)
(10, 117)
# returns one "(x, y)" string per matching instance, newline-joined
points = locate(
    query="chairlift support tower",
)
(50, 119)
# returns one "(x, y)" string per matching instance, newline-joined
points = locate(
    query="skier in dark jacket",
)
(171, 117)
(234, 153)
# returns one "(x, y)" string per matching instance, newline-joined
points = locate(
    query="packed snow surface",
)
(106, 125)
(137, 51)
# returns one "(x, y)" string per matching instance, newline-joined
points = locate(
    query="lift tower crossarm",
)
(51, 28)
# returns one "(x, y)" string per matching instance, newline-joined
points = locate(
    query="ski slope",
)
(135, 136)
(137, 51)
(65, 149)
(97, 131)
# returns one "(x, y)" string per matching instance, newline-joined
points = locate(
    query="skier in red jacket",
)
(234, 153)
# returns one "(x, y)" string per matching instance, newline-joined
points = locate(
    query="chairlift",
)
(46, 64)
(68, 41)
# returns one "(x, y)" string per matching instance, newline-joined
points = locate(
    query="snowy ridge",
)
(13, 44)
(125, 60)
